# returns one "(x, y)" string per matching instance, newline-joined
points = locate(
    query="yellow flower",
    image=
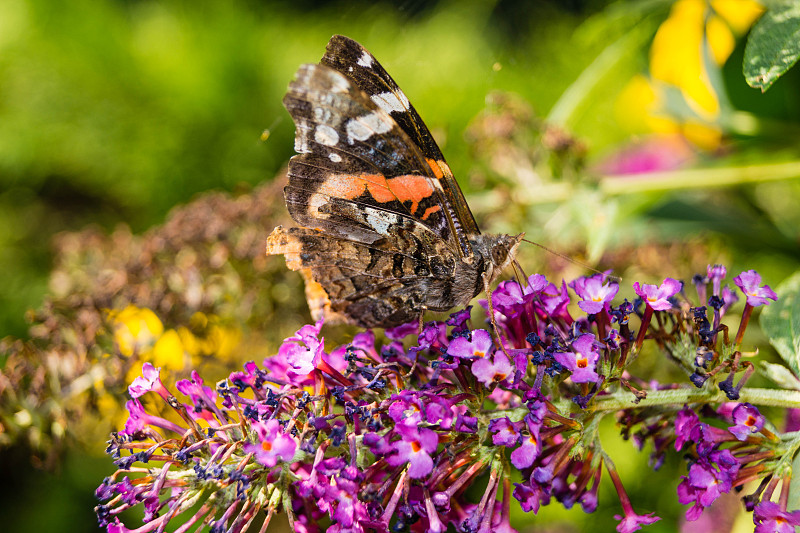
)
(739, 14)
(136, 330)
(639, 107)
(676, 56)
(168, 351)
(696, 39)
(206, 336)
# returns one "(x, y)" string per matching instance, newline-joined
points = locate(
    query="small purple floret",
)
(658, 297)
(748, 281)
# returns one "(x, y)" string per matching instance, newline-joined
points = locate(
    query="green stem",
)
(701, 178)
(705, 178)
(677, 397)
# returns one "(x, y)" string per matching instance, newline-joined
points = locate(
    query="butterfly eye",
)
(499, 254)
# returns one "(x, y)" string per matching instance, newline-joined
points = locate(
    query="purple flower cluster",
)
(389, 435)
(721, 460)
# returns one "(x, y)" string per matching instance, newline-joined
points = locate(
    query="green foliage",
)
(773, 46)
(794, 487)
(781, 322)
(780, 375)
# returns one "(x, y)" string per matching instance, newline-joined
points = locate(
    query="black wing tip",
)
(339, 39)
(341, 46)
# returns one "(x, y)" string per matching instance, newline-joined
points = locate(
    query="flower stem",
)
(678, 397)
(648, 315)
(748, 311)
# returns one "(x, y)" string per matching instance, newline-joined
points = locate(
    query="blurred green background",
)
(116, 111)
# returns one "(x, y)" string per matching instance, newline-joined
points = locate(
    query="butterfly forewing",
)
(358, 173)
(356, 62)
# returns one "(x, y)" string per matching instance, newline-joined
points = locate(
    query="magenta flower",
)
(748, 281)
(708, 478)
(729, 297)
(582, 360)
(139, 419)
(150, 380)
(633, 522)
(272, 443)
(715, 274)
(510, 297)
(458, 320)
(203, 397)
(657, 297)
(555, 300)
(304, 350)
(525, 455)
(685, 423)
(530, 496)
(491, 371)
(117, 527)
(748, 420)
(655, 153)
(479, 346)
(350, 511)
(505, 432)
(402, 331)
(770, 517)
(406, 408)
(415, 448)
(594, 293)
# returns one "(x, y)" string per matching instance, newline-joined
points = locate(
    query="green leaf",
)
(780, 375)
(781, 322)
(794, 486)
(773, 45)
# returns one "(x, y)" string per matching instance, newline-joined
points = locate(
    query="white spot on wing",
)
(325, 116)
(391, 102)
(363, 127)
(336, 158)
(315, 201)
(339, 83)
(380, 221)
(301, 138)
(326, 135)
(365, 60)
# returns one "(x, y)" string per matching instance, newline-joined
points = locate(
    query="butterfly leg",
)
(488, 290)
(416, 356)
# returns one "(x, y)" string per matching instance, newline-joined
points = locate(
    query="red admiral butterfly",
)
(387, 233)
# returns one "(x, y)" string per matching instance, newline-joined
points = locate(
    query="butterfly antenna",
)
(519, 272)
(574, 261)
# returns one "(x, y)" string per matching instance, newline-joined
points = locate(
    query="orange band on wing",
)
(432, 209)
(407, 188)
(440, 168)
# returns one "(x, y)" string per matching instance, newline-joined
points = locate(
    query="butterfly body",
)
(386, 232)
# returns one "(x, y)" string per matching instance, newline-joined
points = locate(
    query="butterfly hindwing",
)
(379, 283)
